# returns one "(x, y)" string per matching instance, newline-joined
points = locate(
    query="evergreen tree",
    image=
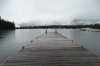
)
(6, 25)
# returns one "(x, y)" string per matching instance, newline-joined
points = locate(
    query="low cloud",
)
(46, 12)
(30, 24)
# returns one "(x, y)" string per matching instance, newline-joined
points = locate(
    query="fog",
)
(45, 12)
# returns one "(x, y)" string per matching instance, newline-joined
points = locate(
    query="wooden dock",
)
(53, 49)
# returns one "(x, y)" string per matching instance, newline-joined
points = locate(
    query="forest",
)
(6, 25)
(94, 26)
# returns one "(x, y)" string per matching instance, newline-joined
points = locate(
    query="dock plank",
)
(53, 49)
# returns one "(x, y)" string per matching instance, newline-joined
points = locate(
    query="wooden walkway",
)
(53, 49)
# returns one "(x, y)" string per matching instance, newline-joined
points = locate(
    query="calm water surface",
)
(12, 41)
(90, 40)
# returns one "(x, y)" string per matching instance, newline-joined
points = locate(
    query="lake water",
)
(12, 41)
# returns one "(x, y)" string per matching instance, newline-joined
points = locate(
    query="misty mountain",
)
(31, 23)
(57, 23)
(72, 22)
(84, 21)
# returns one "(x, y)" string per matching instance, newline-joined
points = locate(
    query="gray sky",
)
(48, 11)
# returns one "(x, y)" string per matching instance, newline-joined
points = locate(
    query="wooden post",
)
(46, 31)
(56, 31)
(31, 41)
(23, 47)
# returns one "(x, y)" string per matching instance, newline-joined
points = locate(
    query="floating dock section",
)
(53, 49)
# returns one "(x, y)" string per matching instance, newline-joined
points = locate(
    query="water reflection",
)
(13, 40)
(4, 33)
(90, 40)
(4, 43)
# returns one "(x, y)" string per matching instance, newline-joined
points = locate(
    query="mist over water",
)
(12, 41)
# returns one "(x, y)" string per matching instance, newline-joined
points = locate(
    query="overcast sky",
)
(48, 11)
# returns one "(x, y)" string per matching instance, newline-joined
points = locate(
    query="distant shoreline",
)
(93, 26)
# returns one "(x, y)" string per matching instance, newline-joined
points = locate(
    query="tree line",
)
(6, 25)
(94, 26)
